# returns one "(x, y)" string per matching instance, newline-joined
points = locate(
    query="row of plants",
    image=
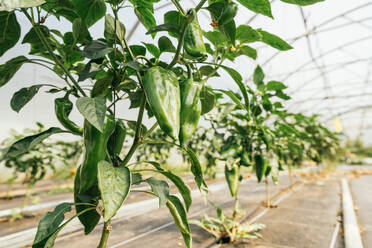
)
(169, 79)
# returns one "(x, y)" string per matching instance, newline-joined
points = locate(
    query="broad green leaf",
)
(90, 10)
(96, 49)
(10, 68)
(80, 31)
(275, 85)
(49, 224)
(246, 34)
(174, 18)
(233, 98)
(302, 2)
(180, 218)
(208, 100)
(180, 184)
(23, 96)
(32, 37)
(229, 31)
(13, 4)
(282, 95)
(152, 49)
(165, 45)
(232, 178)
(169, 27)
(258, 76)
(10, 31)
(249, 51)
(197, 170)
(90, 70)
(207, 70)
(101, 85)
(146, 17)
(60, 8)
(114, 184)
(274, 41)
(93, 110)
(216, 38)
(110, 30)
(25, 144)
(160, 188)
(89, 219)
(259, 6)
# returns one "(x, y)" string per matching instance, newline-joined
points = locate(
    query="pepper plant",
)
(104, 73)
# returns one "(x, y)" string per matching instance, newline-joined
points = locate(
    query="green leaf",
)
(101, 85)
(180, 184)
(146, 17)
(180, 218)
(23, 96)
(10, 68)
(152, 49)
(229, 31)
(275, 85)
(249, 51)
(197, 170)
(114, 184)
(233, 97)
(165, 45)
(25, 144)
(246, 34)
(216, 38)
(160, 189)
(238, 80)
(110, 30)
(49, 225)
(93, 110)
(32, 37)
(282, 95)
(90, 10)
(259, 6)
(258, 75)
(274, 41)
(174, 18)
(80, 31)
(13, 4)
(208, 100)
(169, 27)
(302, 2)
(96, 49)
(60, 8)
(207, 70)
(10, 31)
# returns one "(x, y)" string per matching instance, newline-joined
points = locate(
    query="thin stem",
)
(179, 7)
(268, 204)
(150, 131)
(143, 191)
(48, 47)
(137, 140)
(105, 235)
(200, 5)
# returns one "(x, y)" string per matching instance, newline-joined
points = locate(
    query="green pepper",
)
(244, 159)
(231, 152)
(193, 39)
(116, 140)
(228, 13)
(95, 143)
(63, 107)
(163, 95)
(268, 169)
(232, 178)
(261, 165)
(90, 218)
(190, 109)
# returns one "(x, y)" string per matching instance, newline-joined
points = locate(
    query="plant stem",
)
(268, 204)
(105, 234)
(200, 5)
(48, 47)
(136, 141)
(179, 7)
(236, 207)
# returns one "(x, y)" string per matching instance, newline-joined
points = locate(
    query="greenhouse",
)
(185, 123)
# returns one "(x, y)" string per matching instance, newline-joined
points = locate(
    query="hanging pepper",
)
(190, 108)
(95, 143)
(193, 39)
(232, 178)
(116, 140)
(90, 218)
(163, 95)
(228, 13)
(63, 107)
(261, 165)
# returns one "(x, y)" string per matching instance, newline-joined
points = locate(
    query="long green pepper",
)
(163, 95)
(95, 143)
(63, 107)
(193, 39)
